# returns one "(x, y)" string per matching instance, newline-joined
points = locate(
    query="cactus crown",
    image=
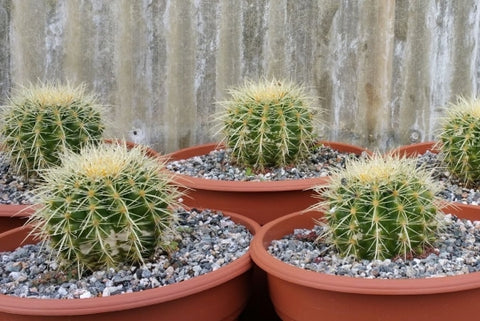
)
(105, 206)
(381, 207)
(460, 139)
(41, 121)
(269, 123)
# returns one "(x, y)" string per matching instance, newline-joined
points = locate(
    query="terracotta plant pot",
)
(218, 295)
(302, 295)
(14, 215)
(414, 150)
(261, 201)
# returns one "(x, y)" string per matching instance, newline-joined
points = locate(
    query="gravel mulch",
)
(217, 165)
(13, 188)
(207, 241)
(456, 252)
(454, 190)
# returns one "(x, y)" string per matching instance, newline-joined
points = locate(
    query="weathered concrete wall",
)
(4, 48)
(383, 69)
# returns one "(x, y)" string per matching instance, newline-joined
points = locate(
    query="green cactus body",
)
(460, 140)
(40, 122)
(106, 206)
(381, 208)
(268, 124)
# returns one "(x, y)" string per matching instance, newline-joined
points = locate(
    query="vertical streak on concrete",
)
(129, 47)
(37, 40)
(228, 65)
(441, 67)
(275, 52)
(375, 71)
(5, 79)
(124, 60)
(89, 49)
(415, 93)
(54, 40)
(28, 19)
(150, 127)
(342, 57)
(306, 37)
(180, 75)
(301, 29)
(321, 68)
(465, 45)
(206, 13)
(254, 27)
(75, 38)
(477, 53)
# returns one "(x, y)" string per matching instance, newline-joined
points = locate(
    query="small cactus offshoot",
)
(268, 124)
(40, 122)
(460, 139)
(382, 207)
(106, 206)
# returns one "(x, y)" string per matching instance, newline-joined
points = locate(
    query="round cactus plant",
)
(106, 206)
(41, 121)
(460, 140)
(268, 124)
(381, 207)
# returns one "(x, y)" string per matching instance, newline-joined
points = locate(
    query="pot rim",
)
(415, 149)
(16, 210)
(250, 186)
(318, 280)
